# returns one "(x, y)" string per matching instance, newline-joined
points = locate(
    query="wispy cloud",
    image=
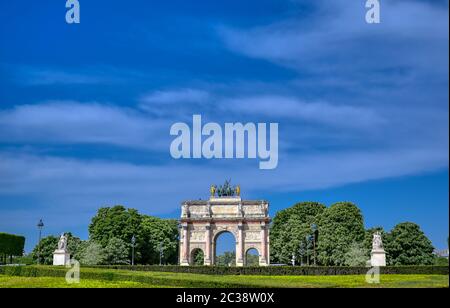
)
(88, 184)
(175, 103)
(185, 95)
(336, 39)
(61, 76)
(289, 108)
(67, 122)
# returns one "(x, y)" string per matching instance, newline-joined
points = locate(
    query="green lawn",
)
(60, 282)
(91, 278)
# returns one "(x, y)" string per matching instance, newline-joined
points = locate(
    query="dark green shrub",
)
(11, 245)
(284, 270)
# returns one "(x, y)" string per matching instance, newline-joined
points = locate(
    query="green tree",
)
(73, 244)
(45, 250)
(11, 245)
(339, 226)
(114, 222)
(289, 230)
(440, 261)
(251, 259)
(199, 257)
(356, 255)
(93, 254)
(155, 233)
(117, 251)
(151, 233)
(407, 245)
(228, 258)
(80, 249)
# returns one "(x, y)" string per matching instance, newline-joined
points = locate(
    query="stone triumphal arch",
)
(202, 221)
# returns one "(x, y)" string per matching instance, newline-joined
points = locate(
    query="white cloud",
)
(159, 188)
(55, 76)
(186, 95)
(336, 38)
(289, 108)
(69, 122)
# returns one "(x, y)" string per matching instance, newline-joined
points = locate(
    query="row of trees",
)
(110, 240)
(336, 235)
(309, 231)
(10, 245)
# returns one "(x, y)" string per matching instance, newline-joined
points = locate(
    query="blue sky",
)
(85, 110)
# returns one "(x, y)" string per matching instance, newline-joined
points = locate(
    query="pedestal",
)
(378, 258)
(61, 257)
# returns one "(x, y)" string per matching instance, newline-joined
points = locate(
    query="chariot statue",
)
(225, 190)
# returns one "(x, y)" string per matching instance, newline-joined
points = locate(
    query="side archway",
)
(252, 257)
(197, 256)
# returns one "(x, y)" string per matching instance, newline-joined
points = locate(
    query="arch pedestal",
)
(203, 221)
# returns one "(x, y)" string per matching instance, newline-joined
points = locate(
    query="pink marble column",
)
(240, 246)
(185, 248)
(263, 244)
(208, 245)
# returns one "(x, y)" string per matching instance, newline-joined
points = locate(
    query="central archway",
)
(224, 249)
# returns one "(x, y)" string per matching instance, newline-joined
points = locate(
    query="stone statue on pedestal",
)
(62, 243)
(378, 255)
(61, 256)
(377, 242)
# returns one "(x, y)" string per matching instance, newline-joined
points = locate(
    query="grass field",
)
(107, 278)
(60, 282)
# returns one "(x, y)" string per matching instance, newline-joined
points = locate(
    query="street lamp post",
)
(133, 242)
(40, 225)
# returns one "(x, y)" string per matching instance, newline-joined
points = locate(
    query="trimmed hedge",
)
(282, 270)
(11, 245)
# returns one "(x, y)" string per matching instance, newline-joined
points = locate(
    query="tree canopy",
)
(342, 239)
(44, 250)
(116, 252)
(114, 222)
(290, 227)
(11, 245)
(153, 235)
(340, 226)
(406, 244)
(157, 234)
